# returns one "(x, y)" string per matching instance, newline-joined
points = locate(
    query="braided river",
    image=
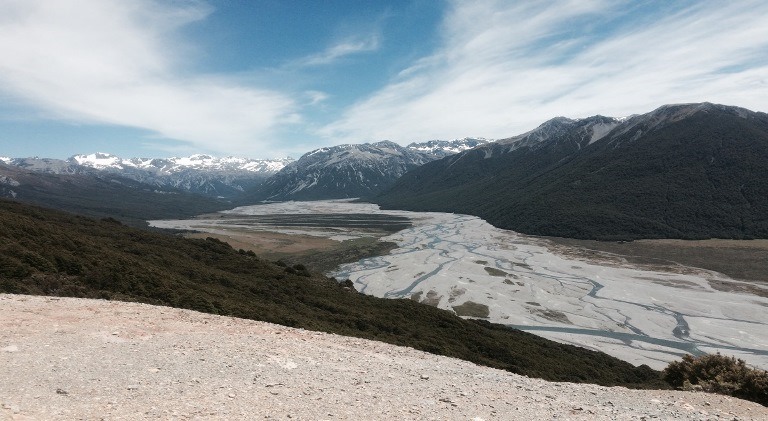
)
(463, 264)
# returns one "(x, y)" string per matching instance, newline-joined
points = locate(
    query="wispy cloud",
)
(504, 67)
(346, 47)
(121, 62)
(316, 97)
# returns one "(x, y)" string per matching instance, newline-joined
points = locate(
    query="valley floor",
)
(66, 358)
(644, 315)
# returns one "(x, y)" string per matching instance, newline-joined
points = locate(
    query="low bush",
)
(719, 374)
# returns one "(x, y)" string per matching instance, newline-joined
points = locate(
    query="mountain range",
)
(347, 171)
(680, 171)
(201, 174)
(101, 194)
(336, 172)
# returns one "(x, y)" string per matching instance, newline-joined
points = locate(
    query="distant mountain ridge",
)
(100, 194)
(202, 174)
(680, 171)
(179, 164)
(134, 189)
(356, 170)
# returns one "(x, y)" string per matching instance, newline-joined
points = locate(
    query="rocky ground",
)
(87, 359)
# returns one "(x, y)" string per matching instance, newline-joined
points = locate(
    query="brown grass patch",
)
(738, 259)
(554, 315)
(432, 299)
(271, 245)
(472, 309)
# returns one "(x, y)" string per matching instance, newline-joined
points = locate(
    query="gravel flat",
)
(71, 359)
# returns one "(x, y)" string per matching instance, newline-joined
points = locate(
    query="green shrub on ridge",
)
(719, 374)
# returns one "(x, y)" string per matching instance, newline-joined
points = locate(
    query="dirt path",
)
(88, 359)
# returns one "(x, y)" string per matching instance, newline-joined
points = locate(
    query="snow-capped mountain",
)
(357, 170)
(574, 133)
(332, 172)
(218, 177)
(46, 165)
(442, 148)
(100, 194)
(179, 164)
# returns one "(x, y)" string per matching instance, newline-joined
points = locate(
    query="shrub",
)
(719, 374)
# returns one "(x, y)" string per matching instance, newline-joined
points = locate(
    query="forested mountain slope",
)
(100, 194)
(681, 171)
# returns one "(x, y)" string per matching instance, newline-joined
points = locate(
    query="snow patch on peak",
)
(198, 162)
(5, 160)
(443, 148)
(98, 160)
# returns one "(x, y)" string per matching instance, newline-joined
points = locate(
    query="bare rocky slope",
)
(65, 358)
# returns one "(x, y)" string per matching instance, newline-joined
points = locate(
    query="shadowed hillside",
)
(688, 171)
(97, 194)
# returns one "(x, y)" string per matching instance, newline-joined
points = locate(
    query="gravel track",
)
(64, 358)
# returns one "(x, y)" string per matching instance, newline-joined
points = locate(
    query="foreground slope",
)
(49, 253)
(681, 171)
(132, 361)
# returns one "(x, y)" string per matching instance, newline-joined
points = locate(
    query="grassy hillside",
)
(703, 176)
(51, 253)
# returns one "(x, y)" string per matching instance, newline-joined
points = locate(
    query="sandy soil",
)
(89, 359)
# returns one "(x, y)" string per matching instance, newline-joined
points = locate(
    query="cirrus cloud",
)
(123, 63)
(505, 67)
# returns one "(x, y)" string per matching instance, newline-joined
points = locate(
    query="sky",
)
(277, 78)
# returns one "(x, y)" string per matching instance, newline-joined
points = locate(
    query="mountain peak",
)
(354, 170)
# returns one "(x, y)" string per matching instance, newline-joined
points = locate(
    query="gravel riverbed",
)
(63, 358)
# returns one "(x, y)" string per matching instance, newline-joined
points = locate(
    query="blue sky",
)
(273, 78)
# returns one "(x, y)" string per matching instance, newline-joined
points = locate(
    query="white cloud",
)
(504, 67)
(346, 47)
(316, 97)
(120, 62)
